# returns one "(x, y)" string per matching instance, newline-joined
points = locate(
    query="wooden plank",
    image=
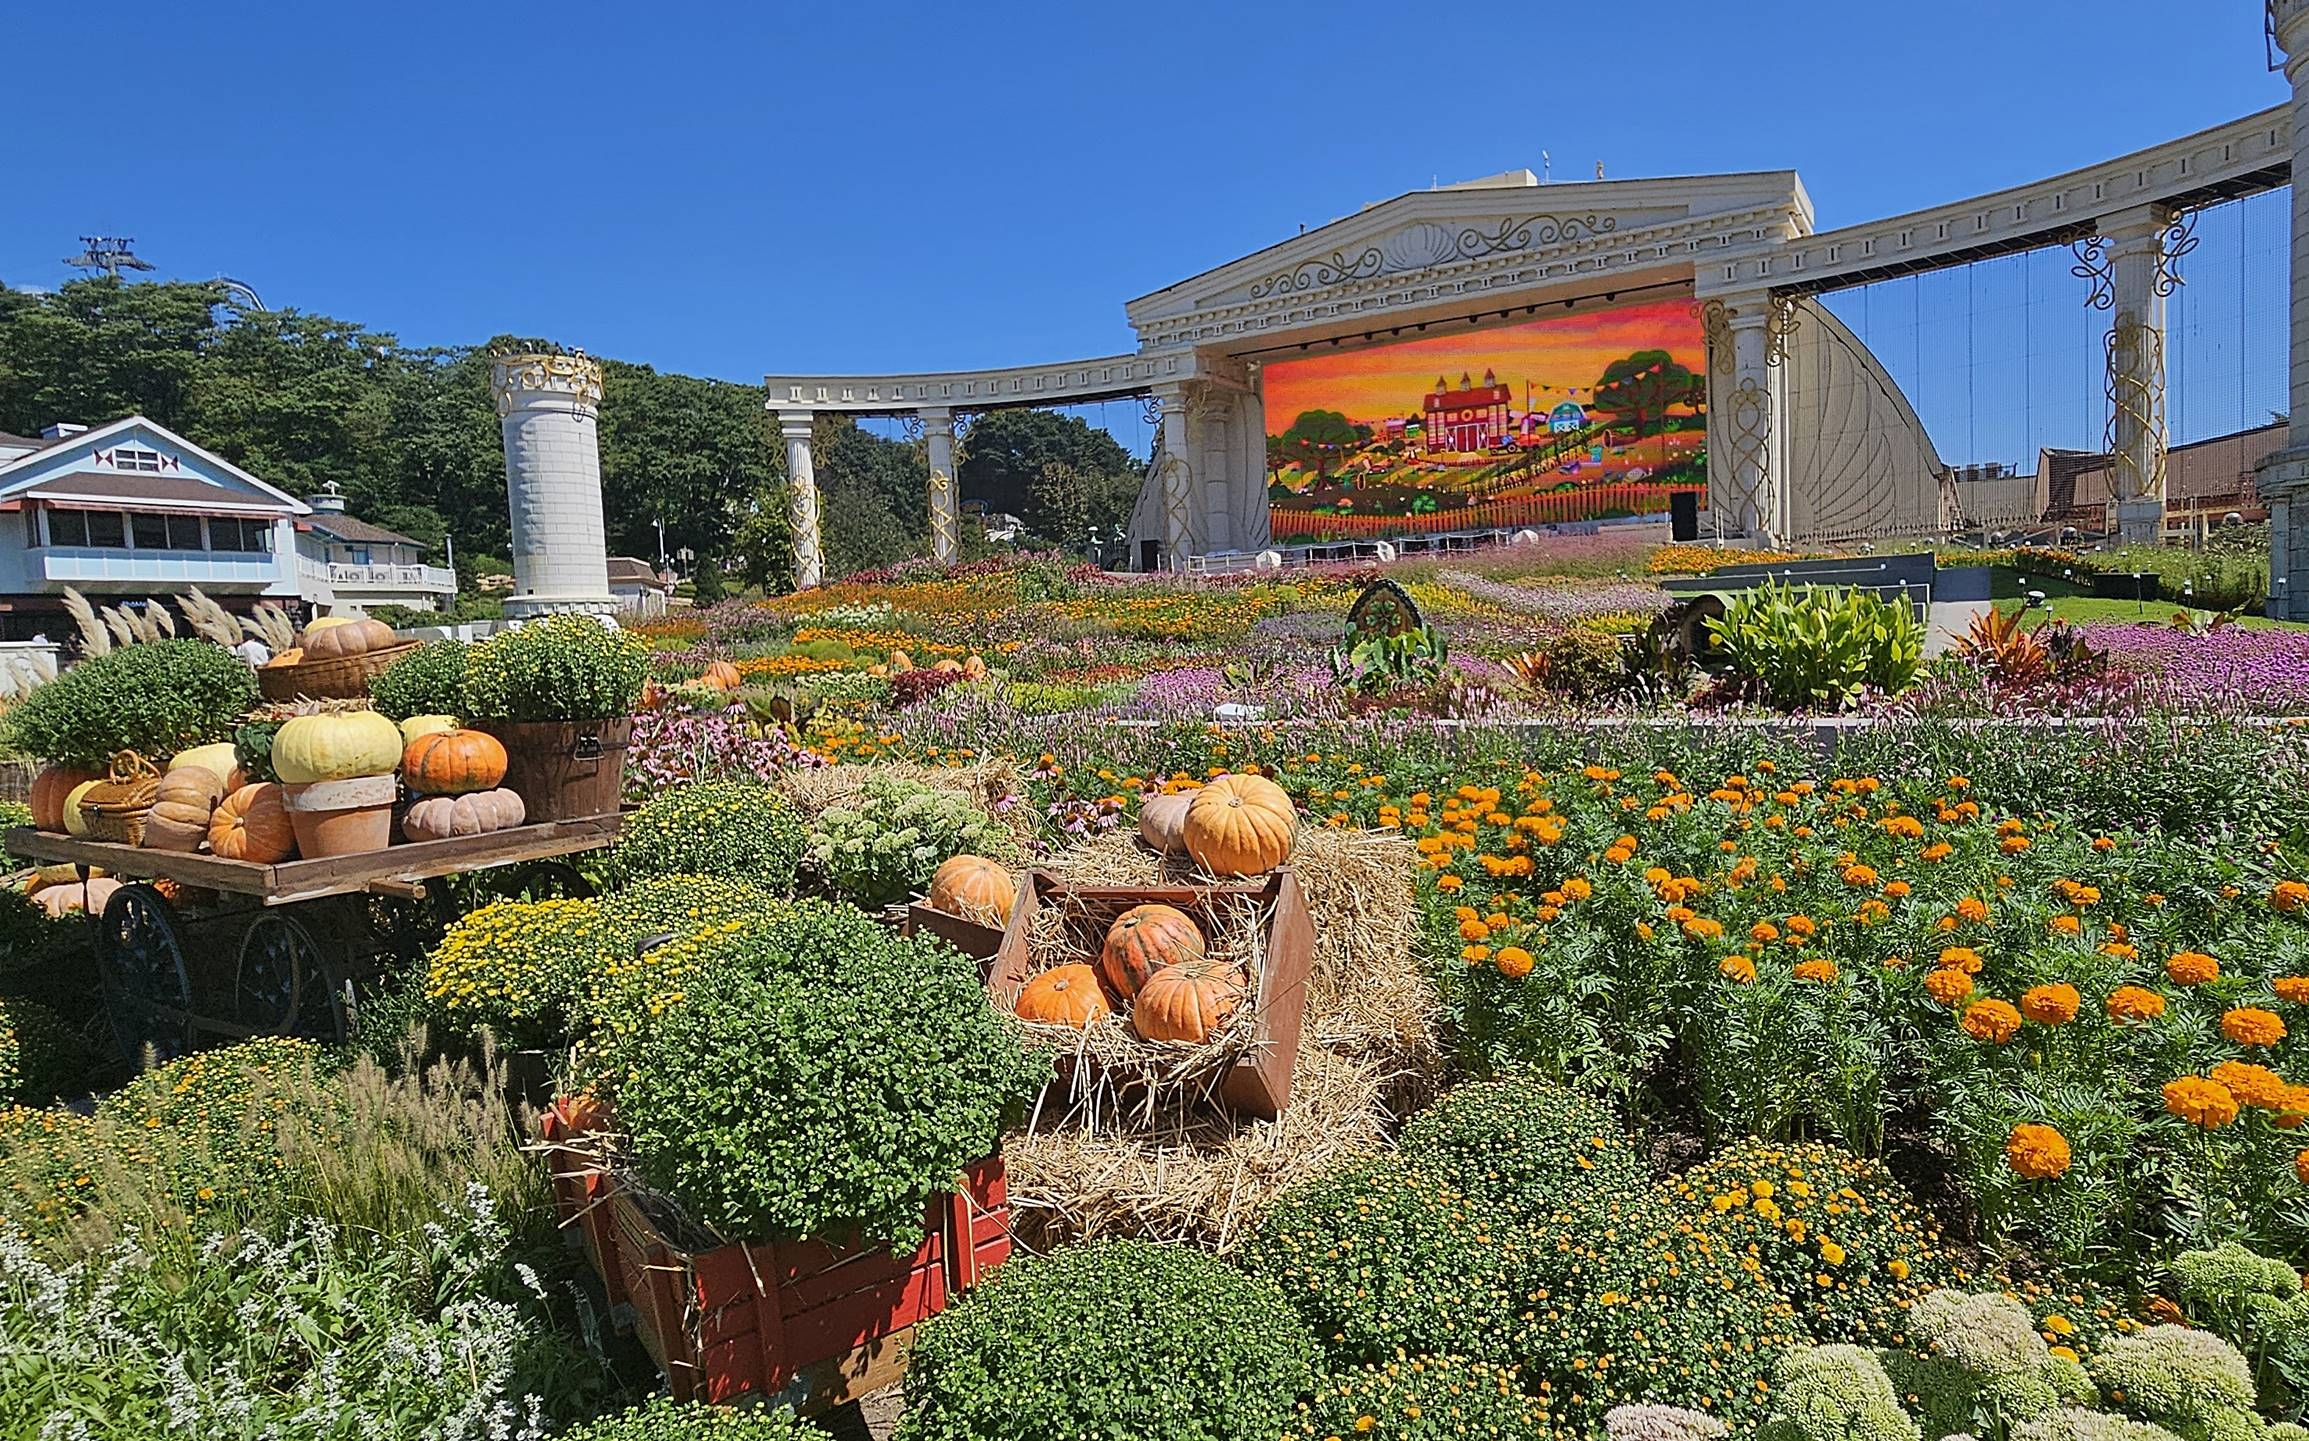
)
(214, 872)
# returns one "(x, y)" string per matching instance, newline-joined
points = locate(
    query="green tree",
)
(1058, 506)
(1641, 387)
(1005, 451)
(873, 496)
(675, 448)
(1320, 438)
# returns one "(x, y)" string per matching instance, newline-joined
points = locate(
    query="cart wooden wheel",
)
(408, 930)
(140, 960)
(282, 983)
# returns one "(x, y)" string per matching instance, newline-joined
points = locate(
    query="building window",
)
(357, 554)
(167, 532)
(233, 533)
(133, 457)
(99, 528)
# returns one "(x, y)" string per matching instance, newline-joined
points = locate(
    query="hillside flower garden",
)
(1661, 1068)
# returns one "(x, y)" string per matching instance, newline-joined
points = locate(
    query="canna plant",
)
(1819, 648)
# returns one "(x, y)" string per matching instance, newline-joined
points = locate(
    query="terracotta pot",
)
(564, 770)
(341, 818)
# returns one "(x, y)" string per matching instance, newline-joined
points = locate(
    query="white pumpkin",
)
(425, 725)
(219, 760)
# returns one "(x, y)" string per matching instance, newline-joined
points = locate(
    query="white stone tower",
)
(550, 406)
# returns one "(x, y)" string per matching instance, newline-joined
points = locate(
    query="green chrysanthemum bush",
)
(813, 1074)
(1977, 1366)
(1120, 1338)
(1654, 1308)
(662, 1418)
(1834, 1393)
(1528, 1147)
(516, 968)
(154, 697)
(429, 680)
(1384, 1259)
(1842, 1240)
(732, 829)
(37, 1050)
(889, 842)
(1423, 1398)
(561, 668)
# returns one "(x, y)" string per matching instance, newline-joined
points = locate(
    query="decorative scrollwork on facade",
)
(945, 542)
(2095, 264)
(1782, 316)
(576, 375)
(1716, 324)
(1425, 245)
(1750, 421)
(910, 427)
(1176, 480)
(2136, 393)
(1150, 409)
(2179, 239)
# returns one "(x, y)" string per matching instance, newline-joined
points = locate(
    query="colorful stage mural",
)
(1565, 418)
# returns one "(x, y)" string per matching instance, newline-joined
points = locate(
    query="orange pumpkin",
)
(454, 762)
(49, 788)
(253, 825)
(721, 675)
(1064, 996)
(57, 902)
(294, 655)
(973, 888)
(182, 809)
(974, 668)
(1142, 941)
(1162, 822)
(1241, 825)
(949, 666)
(335, 642)
(580, 1114)
(1187, 1002)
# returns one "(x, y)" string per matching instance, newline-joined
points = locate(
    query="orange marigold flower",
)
(1473, 930)
(1938, 851)
(2293, 989)
(1448, 883)
(1898, 890)
(1513, 962)
(2104, 843)
(1973, 909)
(2132, 1003)
(2301, 1167)
(2289, 895)
(1961, 958)
(1860, 877)
(1703, 928)
(2201, 1102)
(2013, 845)
(1948, 986)
(2252, 1085)
(2053, 1005)
(2066, 925)
(1994, 1022)
(2252, 1026)
(1737, 967)
(1801, 925)
(2036, 1153)
(1475, 955)
(1817, 970)
(1764, 931)
(1871, 911)
(1578, 888)
(2192, 968)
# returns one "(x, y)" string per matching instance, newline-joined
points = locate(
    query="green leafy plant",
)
(1834, 1393)
(1817, 648)
(1525, 1146)
(1377, 662)
(155, 698)
(715, 828)
(1120, 1338)
(2259, 1305)
(1978, 1366)
(814, 1075)
(561, 668)
(429, 680)
(515, 968)
(1424, 1398)
(2191, 1382)
(886, 845)
(1585, 664)
(662, 1418)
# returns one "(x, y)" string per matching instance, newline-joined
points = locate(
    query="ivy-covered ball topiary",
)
(1424, 1398)
(155, 698)
(1525, 1146)
(662, 1418)
(1381, 1259)
(429, 680)
(1114, 1339)
(889, 842)
(815, 1075)
(1843, 1241)
(516, 968)
(732, 829)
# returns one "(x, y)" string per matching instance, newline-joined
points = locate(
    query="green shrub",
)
(1817, 647)
(1585, 664)
(1382, 1259)
(1980, 1367)
(732, 829)
(1114, 1339)
(429, 680)
(677, 905)
(1524, 1146)
(2259, 1306)
(155, 698)
(662, 1418)
(817, 1075)
(886, 845)
(1424, 1398)
(13, 815)
(38, 1052)
(825, 649)
(2191, 1382)
(516, 968)
(1807, 1211)
(561, 668)
(1834, 1393)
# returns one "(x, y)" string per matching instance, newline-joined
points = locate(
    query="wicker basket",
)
(116, 807)
(342, 678)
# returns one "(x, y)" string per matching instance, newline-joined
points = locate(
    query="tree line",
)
(411, 437)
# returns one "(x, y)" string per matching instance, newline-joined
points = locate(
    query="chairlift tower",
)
(109, 253)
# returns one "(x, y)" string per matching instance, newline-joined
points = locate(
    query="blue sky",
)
(733, 188)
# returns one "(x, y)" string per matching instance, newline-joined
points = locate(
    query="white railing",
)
(72, 565)
(432, 579)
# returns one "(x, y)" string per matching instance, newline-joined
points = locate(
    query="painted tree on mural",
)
(1319, 439)
(1641, 387)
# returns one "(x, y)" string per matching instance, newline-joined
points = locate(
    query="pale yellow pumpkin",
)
(61, 901)
(437, 818)
(75, 823)
(425, 725)
(219, 760)
(336, 747)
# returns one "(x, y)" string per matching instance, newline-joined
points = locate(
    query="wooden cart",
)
(196, 949)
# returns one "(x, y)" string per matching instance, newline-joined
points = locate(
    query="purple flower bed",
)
(2264, 672)
(675, 745)
(1566, 604)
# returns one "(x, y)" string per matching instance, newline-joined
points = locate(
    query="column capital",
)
(796, 424)
(1171, 395)
(2141, 226)
(935, 417)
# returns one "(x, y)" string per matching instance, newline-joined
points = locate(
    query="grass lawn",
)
(2086, 609)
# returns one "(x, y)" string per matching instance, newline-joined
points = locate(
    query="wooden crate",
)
(978, 942)
(1259, 1083)
(803, 1324)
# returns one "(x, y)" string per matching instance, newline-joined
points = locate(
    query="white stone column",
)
(549, 407)
(2136, 371)
(2283, 479)
(945, 487)
(1176, 477)
(1746, 396)
(802, 499)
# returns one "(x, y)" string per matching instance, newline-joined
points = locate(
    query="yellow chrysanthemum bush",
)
(1423, 1398)
(733, 829)
(515, 968)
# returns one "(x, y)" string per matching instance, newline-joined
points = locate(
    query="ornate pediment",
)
(1425, 245)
